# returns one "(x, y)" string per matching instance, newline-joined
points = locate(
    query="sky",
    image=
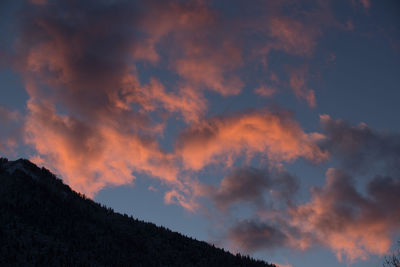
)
(269, 128)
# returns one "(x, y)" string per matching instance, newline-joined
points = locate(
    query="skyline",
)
(270, 128)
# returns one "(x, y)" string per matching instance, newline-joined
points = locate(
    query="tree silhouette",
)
(45, 223)
(394, 259)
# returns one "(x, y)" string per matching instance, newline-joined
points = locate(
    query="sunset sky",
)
(270, 128)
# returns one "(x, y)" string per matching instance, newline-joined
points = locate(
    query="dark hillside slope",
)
(44, 223)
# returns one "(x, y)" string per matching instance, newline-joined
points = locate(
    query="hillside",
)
(45, 223)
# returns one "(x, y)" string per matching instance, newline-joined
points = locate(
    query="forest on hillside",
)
(45, 223)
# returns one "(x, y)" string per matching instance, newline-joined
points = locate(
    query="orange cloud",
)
(201, 61)
(92, 156)
(172, 19)
(209, 66)
(351, 224)
(292, 36)
(89, 117)
(223, 139)
(203, 58)
(295, 35)
(353, 221)
(153, 96)
(298, 83)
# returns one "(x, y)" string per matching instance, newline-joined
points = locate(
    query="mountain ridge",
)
(45, 222)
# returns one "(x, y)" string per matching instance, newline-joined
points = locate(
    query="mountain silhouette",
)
(43, 222)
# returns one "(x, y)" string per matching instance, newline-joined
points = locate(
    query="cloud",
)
(175, 197)
(90, 67)
(249, 184)
(88, 112)
(252, 236)
(90, 119)
(285, 27)
(351, 223)
(352, 215)
(204, 59)
(191, 104)
(245, 184)
(210, 67)
(8, 116)
(292, 36)
(173, 19)
(360, 148)
(11, 130)
(256, 234)
(224, 139)
(297, 82)
(366, 3)
(91, 156)
(265, 91)
(289, 28)
(78, 61)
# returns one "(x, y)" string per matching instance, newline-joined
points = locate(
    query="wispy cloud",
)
(223, 139)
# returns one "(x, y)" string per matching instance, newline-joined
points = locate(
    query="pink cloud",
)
(351, 224)
(153, 96)
(223, 139)
(292, 36)
(211, 66)
(266, 91)
(298, 83)
(91, 156)
(204, 59)
(9, 116)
